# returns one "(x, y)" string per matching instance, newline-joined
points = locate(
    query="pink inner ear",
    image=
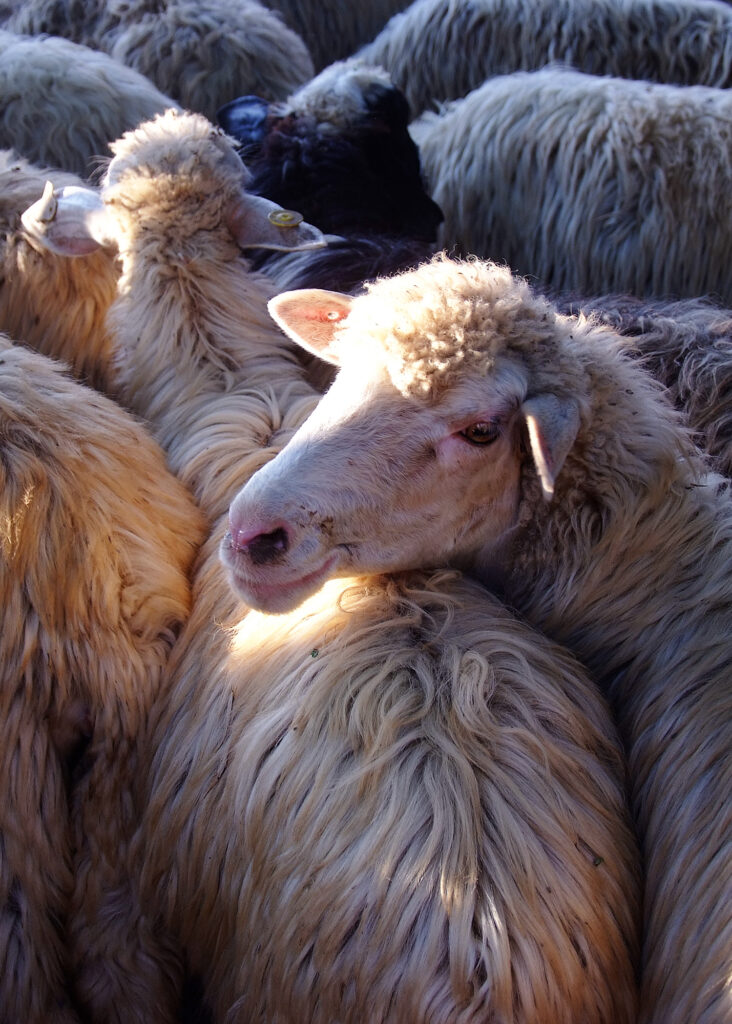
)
(324, 316)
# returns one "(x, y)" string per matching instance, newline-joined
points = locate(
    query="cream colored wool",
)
(440, 50)
(588, 184)
(200, 358)
(61, 103)
(96, 541)
(399, 804)
(51, 303)
(471, 424)
(198, 355)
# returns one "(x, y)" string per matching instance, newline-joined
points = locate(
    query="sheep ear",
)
(310, 317)
(258, 223)
(245, 120)
(553, 424)
(70, 221)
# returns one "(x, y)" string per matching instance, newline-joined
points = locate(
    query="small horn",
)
(49, 209)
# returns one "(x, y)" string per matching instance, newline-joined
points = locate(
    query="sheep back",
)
(418, 809)
(95, 550)
(55, 305)
(587, 184)
(440, 50)
(63, 103)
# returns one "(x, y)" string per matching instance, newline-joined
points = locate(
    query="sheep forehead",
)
(179, 145)
(336, 97)
(447, 320)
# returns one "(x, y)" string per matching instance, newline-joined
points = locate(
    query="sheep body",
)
(49, 302)
(531, 449)
(687, 345)
(201, 54)
(63, 103)
(441, 50)
(96, 545)
(426, 805)
(206, 53)
(223, 392)
(588, 184)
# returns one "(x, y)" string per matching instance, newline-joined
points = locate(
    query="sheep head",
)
(177, 176)
(415, 456)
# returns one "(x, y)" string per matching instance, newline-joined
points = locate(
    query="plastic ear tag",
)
(285, 218)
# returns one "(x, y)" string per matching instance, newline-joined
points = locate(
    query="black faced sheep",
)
(96, 542)
(49, 302)
(339, 152)
(588, 184)
(417, 704)
(472, 424)
(440, 50)
(61, 103)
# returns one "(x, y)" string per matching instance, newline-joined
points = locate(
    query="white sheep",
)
(49, 302)
(471, 871)
(470, 424)
(589, 184)
(61, 103)
(441, 50)
(202, 53)
(333, 30)
(96, 542)
(396, 804)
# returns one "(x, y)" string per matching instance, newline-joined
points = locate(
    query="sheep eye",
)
(482, 432)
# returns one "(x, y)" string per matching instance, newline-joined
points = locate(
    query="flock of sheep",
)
(365, 523)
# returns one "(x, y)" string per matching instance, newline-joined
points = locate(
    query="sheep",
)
(199, 358)
(472, 425)
(398, 803)
(63, 103)
(191, 333)
(339, 151)
(441, 50)
(687, 345)
(202, 53)
(49, 302)
(333, 30)
(589, 184)
(96, 542)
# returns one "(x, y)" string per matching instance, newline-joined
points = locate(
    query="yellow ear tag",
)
(285, 218)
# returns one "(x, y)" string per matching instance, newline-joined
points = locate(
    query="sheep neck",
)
(201, 360)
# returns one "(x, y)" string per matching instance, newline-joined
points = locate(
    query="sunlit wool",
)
(96, 541)
(589, 506)
(53, 304)
(400, 804)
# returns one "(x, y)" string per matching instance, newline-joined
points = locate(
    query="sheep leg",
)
(35, 874)
(126, 971)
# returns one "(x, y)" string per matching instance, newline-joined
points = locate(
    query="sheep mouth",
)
(282, 595)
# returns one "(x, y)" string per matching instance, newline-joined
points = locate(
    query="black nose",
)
(267, 547)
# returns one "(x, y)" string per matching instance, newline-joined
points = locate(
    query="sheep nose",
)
(262, 547)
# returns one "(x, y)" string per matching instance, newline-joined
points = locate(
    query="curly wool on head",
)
(405, 317)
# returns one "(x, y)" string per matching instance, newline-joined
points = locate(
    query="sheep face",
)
(396, 470)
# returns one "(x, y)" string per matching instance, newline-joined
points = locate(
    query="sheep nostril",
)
(267, 547)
